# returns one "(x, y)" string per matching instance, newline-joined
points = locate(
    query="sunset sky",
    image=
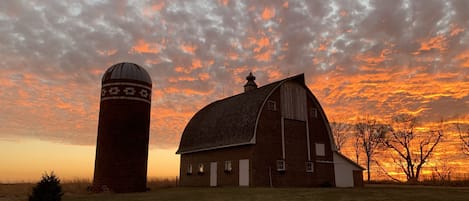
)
(378, 58)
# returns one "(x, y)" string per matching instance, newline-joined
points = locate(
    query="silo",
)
(123, 129)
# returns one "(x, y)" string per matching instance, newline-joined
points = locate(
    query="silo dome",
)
(126, 71)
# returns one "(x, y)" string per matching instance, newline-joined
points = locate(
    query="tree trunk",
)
(412, 180)
(368, 168)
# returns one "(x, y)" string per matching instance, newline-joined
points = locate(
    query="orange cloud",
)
(196, 63)
(265, 56)
(186, 91)
(463, 58)
(151, 10)
(158, 6)
(47, 104)
(343, 13)
(184, 78)
(261, 43)
(274, 74)
(322, 47)
(107, 52)
(233, 55)
(189, 48)
(317, 60)
(179, 69)
(262, 47)
(144, 47)
(435, 43)
(223, 2)
(239, 73)
(374, 60)
(204, 76)
(153, 61)
(390, 92)
(200, 76)
(268, 13)
(455, 30)
(96, 71)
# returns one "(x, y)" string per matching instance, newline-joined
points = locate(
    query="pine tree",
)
(48, 189)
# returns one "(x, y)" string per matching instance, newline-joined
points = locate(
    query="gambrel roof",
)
(230, 121)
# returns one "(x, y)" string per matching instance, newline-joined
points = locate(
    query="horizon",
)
(361, 58)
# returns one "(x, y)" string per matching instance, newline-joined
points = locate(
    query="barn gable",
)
(231, 121)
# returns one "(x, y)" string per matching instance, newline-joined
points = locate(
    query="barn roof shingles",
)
(226, 122)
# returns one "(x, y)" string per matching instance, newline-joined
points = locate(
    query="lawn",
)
(371, 192)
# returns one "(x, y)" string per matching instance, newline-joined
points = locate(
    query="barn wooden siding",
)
(293, 98)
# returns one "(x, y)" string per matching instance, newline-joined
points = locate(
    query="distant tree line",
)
(464, 136)
(407, 145)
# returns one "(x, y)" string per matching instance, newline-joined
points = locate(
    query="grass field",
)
(74, 192)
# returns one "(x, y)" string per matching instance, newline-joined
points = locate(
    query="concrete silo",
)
(123, 129)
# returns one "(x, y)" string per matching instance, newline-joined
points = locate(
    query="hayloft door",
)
(244, 172)
(213, 174)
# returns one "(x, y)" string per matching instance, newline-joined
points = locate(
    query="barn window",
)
(228, 166)
(189, 169)
(309, 166)
(280, 165)
(201, 168)
(314, 113)
(271, 105)
(320, 149)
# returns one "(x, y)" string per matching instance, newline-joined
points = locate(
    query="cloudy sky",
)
(360, 58)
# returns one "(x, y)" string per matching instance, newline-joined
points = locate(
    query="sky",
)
(378, 58)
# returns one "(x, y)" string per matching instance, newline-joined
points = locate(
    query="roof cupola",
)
(250, 85)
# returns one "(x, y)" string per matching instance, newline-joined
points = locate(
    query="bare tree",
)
(413, 149)
(357, 147)
(383, 170)
(340, 130)
(464, 136)
(442, 171)
(369, 136)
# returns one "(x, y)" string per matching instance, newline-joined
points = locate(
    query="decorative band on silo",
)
(127, 91)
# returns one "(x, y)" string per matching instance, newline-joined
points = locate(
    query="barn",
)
(276, 135)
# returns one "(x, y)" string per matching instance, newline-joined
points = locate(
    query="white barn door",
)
(244, 172)
(213, 174)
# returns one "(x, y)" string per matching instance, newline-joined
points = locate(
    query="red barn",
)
(275, 135)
